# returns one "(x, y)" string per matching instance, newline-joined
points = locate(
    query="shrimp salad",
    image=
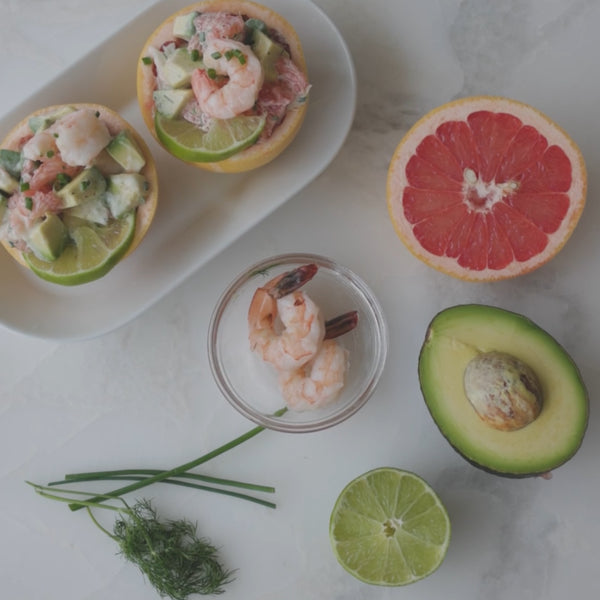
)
(287, 330)
(219, 65)
(66, 165)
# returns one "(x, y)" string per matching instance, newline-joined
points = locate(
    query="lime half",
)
(223, 139)
(388, 527)
(92, 252)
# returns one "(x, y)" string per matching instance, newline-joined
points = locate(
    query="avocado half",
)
(458, 334)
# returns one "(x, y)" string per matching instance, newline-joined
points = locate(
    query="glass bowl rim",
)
(272, 421)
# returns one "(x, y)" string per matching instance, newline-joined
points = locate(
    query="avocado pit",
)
(503, 390)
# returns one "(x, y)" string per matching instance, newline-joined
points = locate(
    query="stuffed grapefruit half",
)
(485, 188)
(78, 191)
(223, 85)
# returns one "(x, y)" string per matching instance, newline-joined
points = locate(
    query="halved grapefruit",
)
(107, 243)
(485, 188)
(284, 114)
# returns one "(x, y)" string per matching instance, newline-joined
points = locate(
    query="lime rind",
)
(94, 250)
(223, 139)
(389, 528)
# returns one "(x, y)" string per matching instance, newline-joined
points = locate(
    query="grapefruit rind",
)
(459, 110)
(263, 151)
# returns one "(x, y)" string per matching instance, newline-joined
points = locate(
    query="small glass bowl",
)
(250, 384)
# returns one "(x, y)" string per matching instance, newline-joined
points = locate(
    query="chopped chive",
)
(146, 60)
(61, 180)
(195, 55)
(50, 153)
(24, 187)
(97, 113)
(28, 202)
(216, 55)
(85, 184)
(229, 54)
(201, 36)
(211, 73)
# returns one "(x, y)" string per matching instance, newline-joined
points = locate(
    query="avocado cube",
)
(11, 161)
(171, 102)
(90, 183)
(126, 191)
(124, 149)
(8, 184)
(183, 25)
(48, 237)
(268, 53)
(177, 69)
(94, 210)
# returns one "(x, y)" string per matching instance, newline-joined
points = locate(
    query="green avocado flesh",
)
(458, 334)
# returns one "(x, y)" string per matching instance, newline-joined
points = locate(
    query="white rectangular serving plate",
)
(199, 213)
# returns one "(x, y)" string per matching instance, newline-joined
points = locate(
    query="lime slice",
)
(223, 139)
(388, 527)
(93, 251)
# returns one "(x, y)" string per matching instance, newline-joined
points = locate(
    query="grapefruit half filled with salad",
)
(223, 85)
(486, 188)
(78, 191)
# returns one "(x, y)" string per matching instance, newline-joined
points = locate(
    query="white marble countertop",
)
(143, 394)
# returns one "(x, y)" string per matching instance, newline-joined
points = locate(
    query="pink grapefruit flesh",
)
(485, 188)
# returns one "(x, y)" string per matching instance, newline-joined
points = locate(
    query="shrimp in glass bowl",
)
(338, 337)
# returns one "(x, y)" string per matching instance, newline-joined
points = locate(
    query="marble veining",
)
(143, 395)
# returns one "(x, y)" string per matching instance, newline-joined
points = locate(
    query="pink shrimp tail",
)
(341, 324)
(291, 281)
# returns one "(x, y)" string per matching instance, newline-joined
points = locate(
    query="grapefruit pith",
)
(485, 188)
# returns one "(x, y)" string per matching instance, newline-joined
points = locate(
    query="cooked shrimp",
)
(286, 327)
(40, 146)
(245, 78)
(216, 25)
(318, 382)
(25, 209)
(80, 137)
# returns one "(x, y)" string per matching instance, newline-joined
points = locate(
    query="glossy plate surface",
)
(199, 213)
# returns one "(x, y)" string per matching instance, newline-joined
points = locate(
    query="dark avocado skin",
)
(472, 461)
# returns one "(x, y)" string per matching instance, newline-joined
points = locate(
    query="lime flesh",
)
(223, 139)
(93, 251)
(389, 528)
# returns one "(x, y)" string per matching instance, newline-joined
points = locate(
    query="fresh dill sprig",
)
(175, 560)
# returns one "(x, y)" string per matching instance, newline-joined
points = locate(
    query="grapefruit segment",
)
(546, 210)
(493, 133)
(500, 253)
(458, 138)
(525, 238)
(435, 231)
(422, 204)
(485, 188)
(433, 150)
(424, 175)
(525, 150)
